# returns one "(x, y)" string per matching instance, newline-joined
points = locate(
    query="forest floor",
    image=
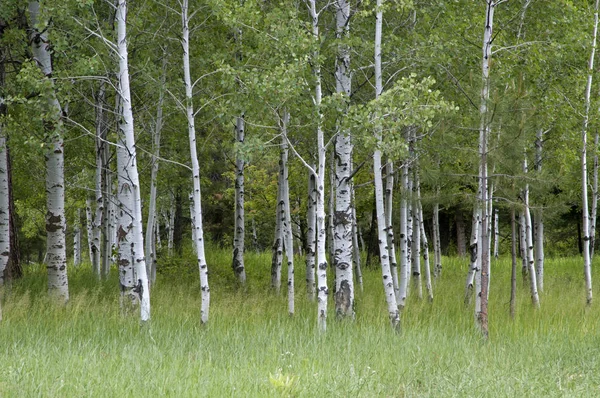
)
(252, 348)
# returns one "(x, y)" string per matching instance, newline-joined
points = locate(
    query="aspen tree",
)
(130, 172)
(587, 261)
(344, 281)
(384, 252)
(197, 215)
(58, 284)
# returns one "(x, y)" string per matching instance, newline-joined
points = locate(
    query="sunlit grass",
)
(251, 347)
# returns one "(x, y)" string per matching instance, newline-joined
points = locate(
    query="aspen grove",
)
(332, 139)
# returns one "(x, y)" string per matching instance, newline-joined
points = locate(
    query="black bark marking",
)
(343, 300)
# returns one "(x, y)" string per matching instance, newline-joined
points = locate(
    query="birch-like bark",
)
(344, 281)
(4, 192)
(425, 245)
(529, 243)
(539, 217)
(197, 216)
(127, 272)
(389, 199)
(322, 290)
(101, 135)
(171, 225)
(474, 254)
(58, 285)
(152, 212)
(76, 230)
(416, 277)
(523, 247)
(595, 195)
(437, 249)
(286, 220)
(89, 228)
(402, 291)
(192, 220)
(481, 316)
(239, 228)
(277, 252)
(382, 223)
(311, 239)
(126, 129)
(496, 235)
(587, 261)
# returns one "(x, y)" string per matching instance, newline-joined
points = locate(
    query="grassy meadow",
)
(252, 348)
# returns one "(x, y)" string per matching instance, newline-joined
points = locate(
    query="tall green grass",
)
(251, 347)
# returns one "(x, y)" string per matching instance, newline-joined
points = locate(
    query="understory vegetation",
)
(251, 347)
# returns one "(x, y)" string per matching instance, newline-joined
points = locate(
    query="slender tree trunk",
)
(4, 190)
(152, 212)
(594, 197)
(382, 218)
(416, 241)
(239, 230)
(402, 291)
(89, 223)
(76, 231)
(126, 129)
(425, 245)
(311, 239)
(344, 281)
(171, 225)
(286, 217)
(101, 135)
(197, 216)
(529, 243)
(475, 253)
(277, 255)
(481, 315)
(389, 199)
(322, 290)
(496, 235)
(331, 205)
(539, 218)
(523, 246)
(58, 285)
(513, 275)
(437, 249)
(355, 245)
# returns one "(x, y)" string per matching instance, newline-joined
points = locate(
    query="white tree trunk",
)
(56, 255)
(152, 212)
(383, 225)
(437, 249)
(277, 253)
(344, 281)
(288, 236)
(89, 228)
(416, 246)
(126, 129)
(171, 225)
(239, 228)
(101, 133)
(587, 261)
(539, 215)
(311, 239)
(529, 242)
(4, 197)
(595, 194)
(76, 232)
(389, 200)
(197, 216)
(425, 246)
(402, 291)
(496, 235)
(523, 246)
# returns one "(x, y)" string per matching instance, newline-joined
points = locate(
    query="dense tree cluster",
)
(404, 118)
